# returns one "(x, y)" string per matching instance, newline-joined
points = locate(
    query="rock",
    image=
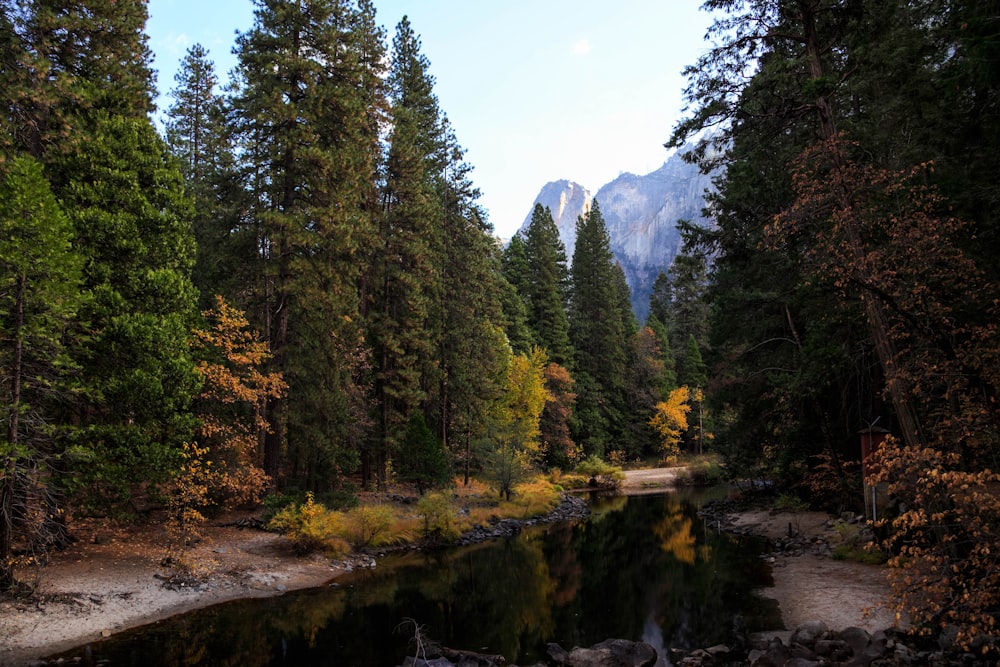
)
(609, 653)
(556, 653)
(809, 633)
(857, 639)
(410, 661)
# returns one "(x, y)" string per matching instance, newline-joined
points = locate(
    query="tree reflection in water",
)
(643, 567)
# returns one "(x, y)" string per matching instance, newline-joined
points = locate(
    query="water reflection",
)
(642, 567)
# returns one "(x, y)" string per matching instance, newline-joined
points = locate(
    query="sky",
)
(535, 90)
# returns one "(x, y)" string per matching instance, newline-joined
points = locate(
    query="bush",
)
(702, 473)
(369, 525)
(312, 527)
(438, 515)
(534, 498)
(604, 474)
(788, 502)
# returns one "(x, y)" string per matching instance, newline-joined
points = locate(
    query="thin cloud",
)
(581, 47)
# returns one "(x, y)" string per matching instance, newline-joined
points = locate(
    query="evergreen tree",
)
(40, 276)
(545, 285)
(692, 373)
(471, 347)
(407, 282)
(598, 337)
(514, 266)
(688, 304)
(126, 200)
(307, 107)
(80, 103)
(422, 457)
(198, 136)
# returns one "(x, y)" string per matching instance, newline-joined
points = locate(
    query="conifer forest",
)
(288, 286)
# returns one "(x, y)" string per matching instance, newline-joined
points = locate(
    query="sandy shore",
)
(111, 580)
(812, 587)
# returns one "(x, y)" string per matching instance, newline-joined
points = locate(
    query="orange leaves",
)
(945, 538)
(670, 419)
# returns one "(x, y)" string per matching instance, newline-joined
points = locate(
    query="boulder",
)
(809, 633)
(609, 653)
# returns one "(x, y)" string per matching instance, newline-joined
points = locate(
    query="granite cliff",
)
(641, 213)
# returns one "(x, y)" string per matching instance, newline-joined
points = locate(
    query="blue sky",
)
(536, 90)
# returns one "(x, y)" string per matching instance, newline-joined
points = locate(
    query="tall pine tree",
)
(307, 108)
(598, 335)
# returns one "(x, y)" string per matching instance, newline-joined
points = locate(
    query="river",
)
(640, 567)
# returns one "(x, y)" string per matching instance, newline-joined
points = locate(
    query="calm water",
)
(641, 567)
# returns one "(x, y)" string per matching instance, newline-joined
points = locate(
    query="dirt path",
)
(651, 480)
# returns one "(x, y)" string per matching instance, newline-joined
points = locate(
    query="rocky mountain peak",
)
(641, 214)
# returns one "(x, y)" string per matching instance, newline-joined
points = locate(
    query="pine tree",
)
(598, 336)
(514, 267)
(198, 136)
(407, 289)
(471, 349)
(688, 304)
(546, 284)
(40, 276)
(307, 106)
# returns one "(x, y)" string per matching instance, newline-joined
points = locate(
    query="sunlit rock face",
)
(641, 213)
(567, 201)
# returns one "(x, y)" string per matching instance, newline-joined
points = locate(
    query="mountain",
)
(641, 213)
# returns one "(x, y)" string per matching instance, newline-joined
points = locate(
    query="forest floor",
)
(111, 579)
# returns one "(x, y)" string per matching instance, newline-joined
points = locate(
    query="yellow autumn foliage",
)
(670, 419)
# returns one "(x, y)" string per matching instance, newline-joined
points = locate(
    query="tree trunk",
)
(906, 415)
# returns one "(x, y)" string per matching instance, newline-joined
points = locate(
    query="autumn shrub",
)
(574, 481)
(437, 511)
(604, 474)
(370, 526)
(187, 499)
(312, 527)
(539, 496)
(944, 539)
(834, 485)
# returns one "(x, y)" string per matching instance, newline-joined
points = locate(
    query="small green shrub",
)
(788, 502)
(438, 515)
(605, 474)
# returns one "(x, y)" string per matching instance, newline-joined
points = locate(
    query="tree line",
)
(854, 272)
(291, 288)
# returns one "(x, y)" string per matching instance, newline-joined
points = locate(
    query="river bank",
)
(112, 580)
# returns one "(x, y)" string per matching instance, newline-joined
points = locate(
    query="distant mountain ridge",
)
(641, 214)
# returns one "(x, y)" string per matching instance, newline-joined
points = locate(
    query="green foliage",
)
(421, 458)
(438, 514)
(605, 474)
(598, 332)
(703, 472)
(545, 286)
(788, 502)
